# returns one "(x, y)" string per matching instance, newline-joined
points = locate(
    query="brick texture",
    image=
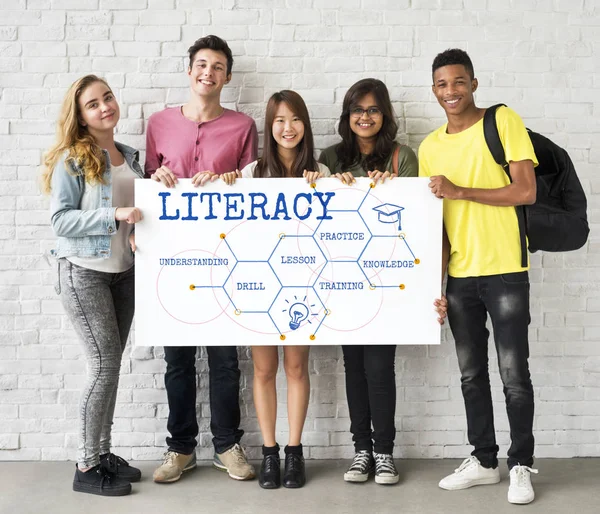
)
(538, 56)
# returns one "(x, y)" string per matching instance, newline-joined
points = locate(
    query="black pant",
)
(371, 393)
(224, 386)
(506, 299)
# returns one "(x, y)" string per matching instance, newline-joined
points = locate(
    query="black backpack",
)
(557, 221)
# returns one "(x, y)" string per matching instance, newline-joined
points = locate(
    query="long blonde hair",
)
(74, 138)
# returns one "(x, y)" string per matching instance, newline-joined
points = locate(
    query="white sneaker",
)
(520, 490)
(468, 474)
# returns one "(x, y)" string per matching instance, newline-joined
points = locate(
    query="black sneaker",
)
(98, 480)
(361, 468)
(294, 475)
(120, 467)
(385, 469)
(269, 476)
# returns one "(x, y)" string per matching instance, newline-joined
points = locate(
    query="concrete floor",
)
(563, 486)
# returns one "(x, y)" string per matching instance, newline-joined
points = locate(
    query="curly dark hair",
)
(348, 152)
(453, 56)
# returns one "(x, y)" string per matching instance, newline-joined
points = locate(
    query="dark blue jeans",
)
(506, 299)
(224, 387)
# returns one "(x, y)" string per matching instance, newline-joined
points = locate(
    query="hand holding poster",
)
(278, 261)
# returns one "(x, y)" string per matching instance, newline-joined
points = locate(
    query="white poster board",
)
(277, 261)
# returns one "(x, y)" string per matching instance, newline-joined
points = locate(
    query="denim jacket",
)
(85, 233)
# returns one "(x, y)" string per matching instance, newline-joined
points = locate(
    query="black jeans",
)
(224, 387)
(371, 393)
(506, 298)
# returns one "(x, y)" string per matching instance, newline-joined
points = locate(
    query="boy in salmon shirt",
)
(201, 140)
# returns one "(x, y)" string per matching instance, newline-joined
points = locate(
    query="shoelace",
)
(272, 463)
(361, 462)
(522, 476)
(293, 462)
(465, 464)
(239, 454)
(169, 457)
(384, 463)
(105, 476)
(114, 461)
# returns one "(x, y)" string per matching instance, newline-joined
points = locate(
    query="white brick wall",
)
(541, 56)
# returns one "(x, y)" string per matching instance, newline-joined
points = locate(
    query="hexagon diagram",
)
(342, 273)
(297, 260)
(298, 309)
(252, 287)
(343, 239)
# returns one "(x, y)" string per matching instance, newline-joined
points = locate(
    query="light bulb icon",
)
(298, 313)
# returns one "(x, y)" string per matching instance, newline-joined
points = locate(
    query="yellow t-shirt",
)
(484, 239)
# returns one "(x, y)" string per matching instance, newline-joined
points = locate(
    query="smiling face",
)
(453, 87)
(366, 124)
(288, 128)
(98, 108)
(208, 73)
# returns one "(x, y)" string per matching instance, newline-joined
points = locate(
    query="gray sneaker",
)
(173, 466)
(235, 463)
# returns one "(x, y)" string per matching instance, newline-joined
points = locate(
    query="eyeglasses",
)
(372, 112)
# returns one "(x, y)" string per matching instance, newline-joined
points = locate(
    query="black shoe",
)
(98, 480)
(269, 476)
(294, 475)
(120, 467)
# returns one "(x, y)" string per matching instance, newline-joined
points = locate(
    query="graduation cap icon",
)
(389, 213)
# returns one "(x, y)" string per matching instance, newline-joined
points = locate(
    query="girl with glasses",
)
(368, 149)
(368, 128)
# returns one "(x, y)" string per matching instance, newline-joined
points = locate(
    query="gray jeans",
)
(100, 306)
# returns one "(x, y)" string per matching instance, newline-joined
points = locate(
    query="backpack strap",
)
(494, 144)
(395, 159)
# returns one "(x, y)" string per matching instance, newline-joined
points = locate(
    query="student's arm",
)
(67, 219)
(408, 165)
(250, 147)
(522, 190)
(445, 252)
(152, 159)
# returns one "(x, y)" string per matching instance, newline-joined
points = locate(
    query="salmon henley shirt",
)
(186, 147)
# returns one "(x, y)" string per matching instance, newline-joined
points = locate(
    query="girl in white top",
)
(288, 152)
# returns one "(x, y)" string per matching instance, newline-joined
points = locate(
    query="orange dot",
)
(372, 185)
(192, 287)
(282, 337)
(313, 185)
(402, 286)
(417, 261)
(312, 337)
(222, 236)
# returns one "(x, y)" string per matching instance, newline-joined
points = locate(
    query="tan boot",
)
(235, 463)
(174, 464)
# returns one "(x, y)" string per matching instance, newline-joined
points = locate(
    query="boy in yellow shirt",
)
(482, 252)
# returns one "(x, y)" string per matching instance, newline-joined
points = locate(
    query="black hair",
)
(453, 56)
(212, 43)
(348, 151)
